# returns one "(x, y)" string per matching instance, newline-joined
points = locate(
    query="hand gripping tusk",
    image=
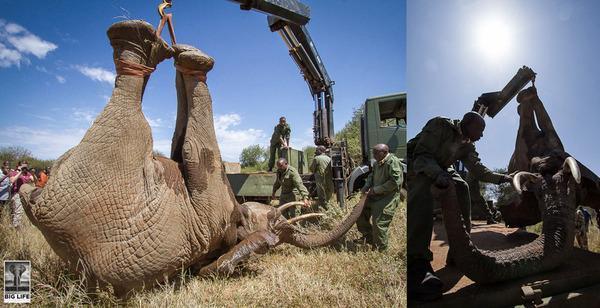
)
(517, 179)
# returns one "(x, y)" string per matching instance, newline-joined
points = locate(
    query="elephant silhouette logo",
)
(17, 279)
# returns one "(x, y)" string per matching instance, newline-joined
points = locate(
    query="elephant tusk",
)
(303, 217)
(288, 205)
(517, 179)
(570, 165)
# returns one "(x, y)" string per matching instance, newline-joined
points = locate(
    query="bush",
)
(254, 158)
(16, 153)
(351, 133)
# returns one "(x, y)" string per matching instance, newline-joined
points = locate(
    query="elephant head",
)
(127, 218)
(17, 270)
(549, 185)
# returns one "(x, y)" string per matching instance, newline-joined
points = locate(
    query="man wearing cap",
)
(431, 155)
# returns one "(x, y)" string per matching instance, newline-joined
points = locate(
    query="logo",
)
(17, 281)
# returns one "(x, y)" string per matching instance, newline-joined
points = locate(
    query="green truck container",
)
(383, 121)
(257, 186)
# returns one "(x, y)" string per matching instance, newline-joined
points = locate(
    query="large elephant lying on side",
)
(130, 219)
(550, 185)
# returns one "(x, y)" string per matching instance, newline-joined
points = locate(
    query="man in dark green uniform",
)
(292, 188)
(280, 141)
(321, 167)
(431, 155)
(383, 196)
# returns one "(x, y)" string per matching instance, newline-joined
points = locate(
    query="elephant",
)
(129, 219)
(17, 270)
(549, 184)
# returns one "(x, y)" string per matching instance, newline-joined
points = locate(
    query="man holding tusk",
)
(383, 197)
(292, 188)
(431, 155)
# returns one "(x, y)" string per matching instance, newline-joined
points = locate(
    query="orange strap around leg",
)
(132, 69)
(200, 75)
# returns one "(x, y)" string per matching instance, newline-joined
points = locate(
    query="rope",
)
(200, 75)
(132, 69)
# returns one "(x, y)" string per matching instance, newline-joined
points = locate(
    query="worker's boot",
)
(423, 285)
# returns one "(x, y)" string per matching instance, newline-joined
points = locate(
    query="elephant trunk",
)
(557, 194)
(326, 238)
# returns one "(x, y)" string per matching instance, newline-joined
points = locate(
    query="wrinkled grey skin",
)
(551, 194)
(129, 219)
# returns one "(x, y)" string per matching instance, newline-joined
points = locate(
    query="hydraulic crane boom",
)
(289, 18)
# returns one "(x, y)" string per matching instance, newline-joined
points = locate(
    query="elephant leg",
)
(527, 132)
(196, 145)
(258, 242)
(182, 119)
(545, 124)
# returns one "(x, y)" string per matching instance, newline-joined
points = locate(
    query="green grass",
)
(285, 276)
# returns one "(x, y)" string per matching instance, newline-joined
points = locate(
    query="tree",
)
(14, 154)
(503, 194)
(351, 132)
(253, 156)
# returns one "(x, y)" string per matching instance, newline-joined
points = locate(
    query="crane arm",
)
(289, 17)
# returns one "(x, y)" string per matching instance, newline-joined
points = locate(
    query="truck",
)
(383, 120)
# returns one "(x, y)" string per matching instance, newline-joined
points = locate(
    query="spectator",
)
(18, 177)
(42, 178)
(4, 188)
(581, 228)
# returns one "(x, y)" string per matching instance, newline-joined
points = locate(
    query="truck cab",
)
(383, 121)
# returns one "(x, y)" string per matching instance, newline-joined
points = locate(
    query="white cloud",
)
(232, 141)
(84, 115)
(13, 28)
(163, 146)
(61, 79)
(9, 57)
(23, 42)
(96, 73)
(43, 143)
(154, 123)
(32, 44)
(305, 139)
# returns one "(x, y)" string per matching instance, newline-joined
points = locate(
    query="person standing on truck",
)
(383, 197)
(431, 155)
(321, 167)
(292, 188)
(280, 141)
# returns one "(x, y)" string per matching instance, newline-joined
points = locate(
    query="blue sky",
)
(459, 49)
(57, 74)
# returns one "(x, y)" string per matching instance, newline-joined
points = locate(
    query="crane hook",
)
(166, 18)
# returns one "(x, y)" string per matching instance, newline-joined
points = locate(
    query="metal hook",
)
(166, 18)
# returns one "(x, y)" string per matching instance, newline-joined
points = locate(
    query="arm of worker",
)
(297, 180)
(313, 166)
(276, 186)
(432, 136)
(481, 172)
(394, 181)
(368, 183)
